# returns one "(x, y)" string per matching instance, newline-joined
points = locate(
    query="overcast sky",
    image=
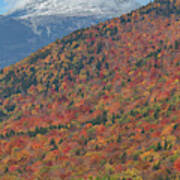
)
(9, 3)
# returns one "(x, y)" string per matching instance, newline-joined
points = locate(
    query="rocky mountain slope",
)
(102, 103)
(34, 24)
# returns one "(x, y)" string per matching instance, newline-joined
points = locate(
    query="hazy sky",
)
(5, 3)
(2, 6)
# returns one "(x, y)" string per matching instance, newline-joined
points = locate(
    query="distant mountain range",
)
(34, 24)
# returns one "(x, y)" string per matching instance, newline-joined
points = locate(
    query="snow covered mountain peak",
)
(30, 8)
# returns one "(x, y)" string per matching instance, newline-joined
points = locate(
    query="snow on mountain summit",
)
(30, 8)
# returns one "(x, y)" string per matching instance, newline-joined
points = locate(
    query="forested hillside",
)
(102, 103)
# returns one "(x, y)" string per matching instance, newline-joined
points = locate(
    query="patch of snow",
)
(31, 8)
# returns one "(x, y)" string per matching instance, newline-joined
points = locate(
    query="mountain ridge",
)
(101, 103)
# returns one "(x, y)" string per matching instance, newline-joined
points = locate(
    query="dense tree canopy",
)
(102, 103)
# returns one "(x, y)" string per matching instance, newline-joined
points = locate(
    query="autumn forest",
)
(103, 103)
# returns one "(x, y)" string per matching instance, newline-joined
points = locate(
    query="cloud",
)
(70, 7)
(15, 4)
